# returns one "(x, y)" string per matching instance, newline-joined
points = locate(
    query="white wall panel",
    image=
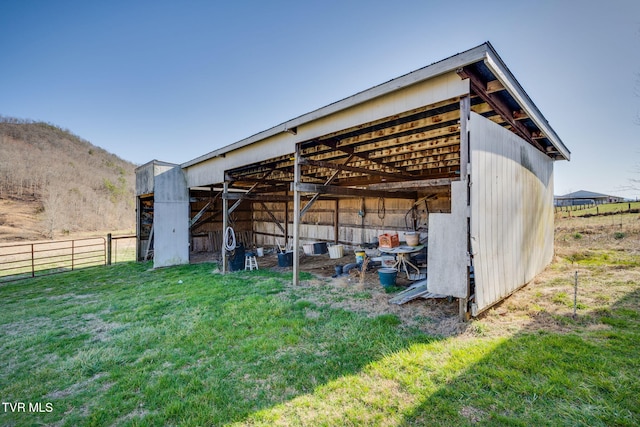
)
(511, 211)
(171, 217)
(447, 246)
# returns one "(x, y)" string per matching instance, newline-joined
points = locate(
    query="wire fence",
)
(597, 209)
(25, 260)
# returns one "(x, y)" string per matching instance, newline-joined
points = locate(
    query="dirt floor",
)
(544, 303)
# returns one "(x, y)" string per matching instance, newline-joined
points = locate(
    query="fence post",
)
(575, 296)
(109, 240)
(33, 266)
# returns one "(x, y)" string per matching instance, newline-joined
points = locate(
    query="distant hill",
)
(54, 183)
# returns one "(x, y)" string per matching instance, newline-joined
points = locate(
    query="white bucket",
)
(336, 251)
(260, 251)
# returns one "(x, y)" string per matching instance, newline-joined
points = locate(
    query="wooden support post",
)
(138, 226)
(286, 221)
(465, 159)
(336, 222)
(225, 224)
(296, 216)
(465, 115)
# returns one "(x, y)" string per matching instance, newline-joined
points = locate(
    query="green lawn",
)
(128, 345)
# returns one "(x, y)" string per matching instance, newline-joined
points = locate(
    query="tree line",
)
(78, 186)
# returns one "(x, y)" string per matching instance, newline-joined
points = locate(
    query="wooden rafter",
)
(365, 171)
(349, 191)
(351, 151)
(316, 196)
(480, 88)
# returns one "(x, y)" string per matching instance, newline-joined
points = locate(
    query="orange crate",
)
(388, 240)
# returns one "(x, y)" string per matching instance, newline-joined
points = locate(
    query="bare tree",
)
(54, 206)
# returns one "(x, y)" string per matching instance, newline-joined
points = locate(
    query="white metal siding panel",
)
(171, 218)
(447, 254)
(511, 211)
(144, 179)
(212, 171)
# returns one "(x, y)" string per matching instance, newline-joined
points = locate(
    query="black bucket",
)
(285, 259)
(236, 263)
(320, 248)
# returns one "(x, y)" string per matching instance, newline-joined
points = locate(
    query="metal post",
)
(225, 223)
(296, 216)
(109, 240)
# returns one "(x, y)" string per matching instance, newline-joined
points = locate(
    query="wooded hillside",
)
(70, 185)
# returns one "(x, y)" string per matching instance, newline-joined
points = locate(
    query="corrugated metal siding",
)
(511, 211)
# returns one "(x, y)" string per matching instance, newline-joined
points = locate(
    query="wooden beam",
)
(329, 181)
(465, 151)
(366, 171)
(479, 87)
(199, 214)
(242, 197)
(494, 86)
(520, 115)
(275, 220)
(435, 106)
(422, 184)
(422, 146)
(257, 197)
(355, 192)
(351, 151)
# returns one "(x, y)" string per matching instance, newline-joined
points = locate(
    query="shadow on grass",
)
(180, 346)
(584, 378)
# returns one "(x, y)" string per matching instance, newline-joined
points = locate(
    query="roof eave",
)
(500, 70)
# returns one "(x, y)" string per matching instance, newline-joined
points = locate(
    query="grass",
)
(128, 345)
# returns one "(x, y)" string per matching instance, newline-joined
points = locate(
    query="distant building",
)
(583, 197)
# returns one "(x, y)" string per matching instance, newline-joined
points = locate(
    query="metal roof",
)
(495, 90)
(583, 194)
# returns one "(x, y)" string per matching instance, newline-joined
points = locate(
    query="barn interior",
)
(394, 159)
(379, 177)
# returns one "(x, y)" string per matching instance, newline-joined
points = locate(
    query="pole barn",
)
(455, 151)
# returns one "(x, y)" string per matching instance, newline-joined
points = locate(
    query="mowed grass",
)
(128, 345)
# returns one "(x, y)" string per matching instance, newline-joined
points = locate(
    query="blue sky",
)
(173, 80)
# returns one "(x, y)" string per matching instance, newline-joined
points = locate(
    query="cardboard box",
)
(388, 240)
